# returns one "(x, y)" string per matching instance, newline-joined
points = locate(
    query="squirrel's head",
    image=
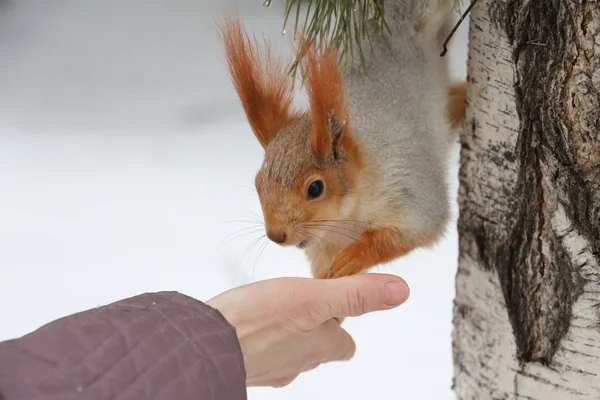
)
(311, 165)
(301, 191)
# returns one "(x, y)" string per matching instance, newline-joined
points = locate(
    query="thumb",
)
(356, 295)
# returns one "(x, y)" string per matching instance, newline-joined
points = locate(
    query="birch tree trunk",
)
(527, 308)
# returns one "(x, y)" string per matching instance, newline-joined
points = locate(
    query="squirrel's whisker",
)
(254, 214)
(246, 250)
(310, 225)
(246, 187)
(239, 234)
(318, 237)
(338, 233)
(349, 221)
(241, 221)
(260, 252)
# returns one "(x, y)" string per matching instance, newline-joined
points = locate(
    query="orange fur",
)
(457, 104)
(374, 247)
(260, 79)
(325, 92)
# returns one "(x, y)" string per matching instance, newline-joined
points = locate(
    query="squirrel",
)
(360, 178)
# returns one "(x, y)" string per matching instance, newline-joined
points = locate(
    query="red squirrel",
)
(360, 178)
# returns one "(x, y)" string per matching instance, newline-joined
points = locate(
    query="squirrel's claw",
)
(351, 261)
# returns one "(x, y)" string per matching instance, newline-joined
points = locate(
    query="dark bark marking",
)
(530, 278)
(510, 157)
(464, 310)
(557, 159)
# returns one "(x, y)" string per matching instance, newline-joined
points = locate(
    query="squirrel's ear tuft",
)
(323, 81)
(336, 131)
(260, 79)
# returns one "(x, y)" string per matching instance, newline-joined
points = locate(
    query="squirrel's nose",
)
(277, 237)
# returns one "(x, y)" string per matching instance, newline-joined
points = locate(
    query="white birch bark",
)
(527, 308)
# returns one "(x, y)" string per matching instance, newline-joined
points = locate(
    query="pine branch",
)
(342, 23)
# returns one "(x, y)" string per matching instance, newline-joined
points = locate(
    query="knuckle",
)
(357, 303)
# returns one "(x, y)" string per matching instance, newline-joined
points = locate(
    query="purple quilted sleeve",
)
(159, 346)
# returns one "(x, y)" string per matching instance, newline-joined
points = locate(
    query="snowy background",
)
(124, 157)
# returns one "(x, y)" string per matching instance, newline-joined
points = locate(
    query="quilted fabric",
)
(160, 346)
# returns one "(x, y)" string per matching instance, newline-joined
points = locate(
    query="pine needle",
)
(343, 23)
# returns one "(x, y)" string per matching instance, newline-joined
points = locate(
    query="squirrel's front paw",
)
(351, 261)
(375, 246)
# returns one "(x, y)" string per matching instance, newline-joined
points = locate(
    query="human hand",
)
(287, 326)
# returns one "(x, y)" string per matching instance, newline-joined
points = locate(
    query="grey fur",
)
(397, 111)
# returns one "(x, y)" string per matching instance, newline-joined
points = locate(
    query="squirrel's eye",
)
(315, 189)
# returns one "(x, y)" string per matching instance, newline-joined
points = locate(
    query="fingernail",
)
(395, 293)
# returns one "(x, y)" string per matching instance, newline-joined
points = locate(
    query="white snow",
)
(123, 154)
